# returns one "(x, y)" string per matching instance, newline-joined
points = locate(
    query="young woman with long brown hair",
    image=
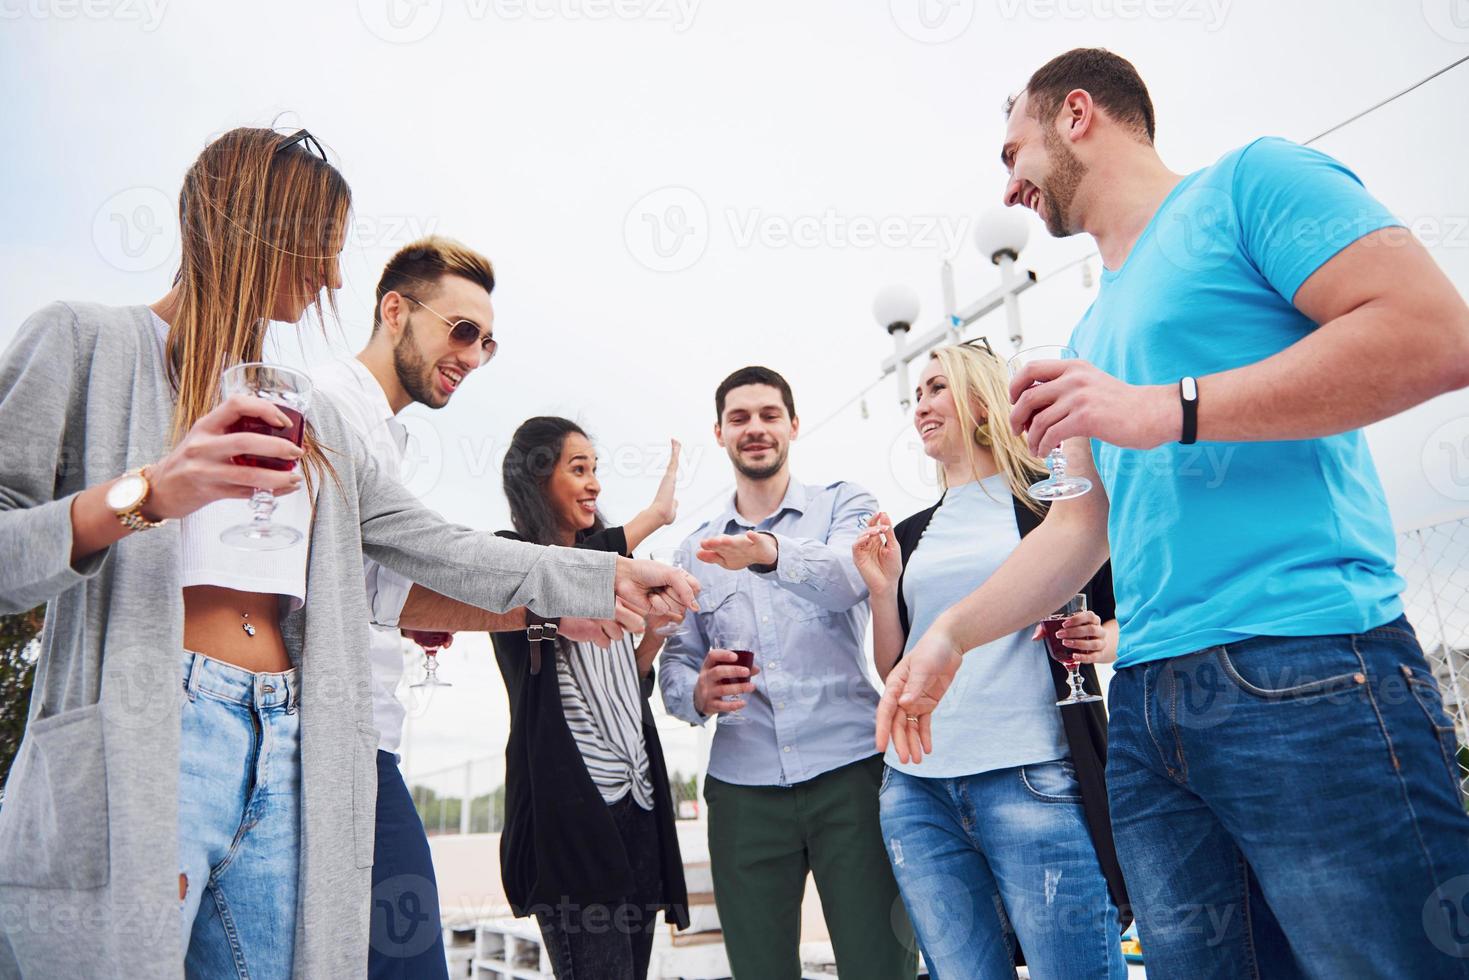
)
(195, 792)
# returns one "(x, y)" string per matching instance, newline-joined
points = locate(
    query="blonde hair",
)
(257, 210)
(980, 384)
(418, 266)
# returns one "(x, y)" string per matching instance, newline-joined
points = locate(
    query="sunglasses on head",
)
(980, 343)
(309, 142)
(463, 333)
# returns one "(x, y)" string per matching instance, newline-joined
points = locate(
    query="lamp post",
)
(896, 308)
(1000, 235)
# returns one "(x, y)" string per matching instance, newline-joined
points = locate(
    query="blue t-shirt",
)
(1216, 542)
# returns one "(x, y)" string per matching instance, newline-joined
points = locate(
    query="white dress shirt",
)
(364, 406)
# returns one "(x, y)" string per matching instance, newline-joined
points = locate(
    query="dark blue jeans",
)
(1289, 807)
(407, 940)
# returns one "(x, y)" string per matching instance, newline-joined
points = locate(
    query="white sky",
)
(558, 136)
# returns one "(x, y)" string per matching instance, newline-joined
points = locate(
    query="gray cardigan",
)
(88, 827)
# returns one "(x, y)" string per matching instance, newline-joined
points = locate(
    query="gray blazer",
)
(89, 824)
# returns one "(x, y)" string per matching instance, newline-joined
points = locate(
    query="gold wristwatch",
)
(126, 498)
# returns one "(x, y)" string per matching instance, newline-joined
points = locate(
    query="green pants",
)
(762, 842)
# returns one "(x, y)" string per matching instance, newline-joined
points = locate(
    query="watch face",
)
(126, 492)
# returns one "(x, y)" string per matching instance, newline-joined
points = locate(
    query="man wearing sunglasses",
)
(433, 326)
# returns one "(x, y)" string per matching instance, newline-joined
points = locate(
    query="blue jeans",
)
(1289, 807)
(985, 860)
(407, 941)
(239, 820)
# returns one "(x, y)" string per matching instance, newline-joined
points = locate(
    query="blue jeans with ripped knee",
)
(239, 820)
(989, 860)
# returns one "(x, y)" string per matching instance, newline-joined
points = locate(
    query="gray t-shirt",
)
(1001, 711)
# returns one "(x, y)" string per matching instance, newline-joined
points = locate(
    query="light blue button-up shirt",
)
(814, 705)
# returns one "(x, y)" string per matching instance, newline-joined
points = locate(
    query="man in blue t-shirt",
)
(1282, 775)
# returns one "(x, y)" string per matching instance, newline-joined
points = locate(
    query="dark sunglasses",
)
(304, 137)
(980, 343)
(463, 333)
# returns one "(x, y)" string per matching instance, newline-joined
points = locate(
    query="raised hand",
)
(664, 506)
(876, 555)
(737, 551)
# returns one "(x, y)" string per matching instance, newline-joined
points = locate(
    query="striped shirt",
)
(603, 703)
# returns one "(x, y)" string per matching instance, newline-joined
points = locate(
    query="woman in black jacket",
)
(589, 845)
(1001, 838)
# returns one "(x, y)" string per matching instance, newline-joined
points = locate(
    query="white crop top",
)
(209, 561)
(206, 560)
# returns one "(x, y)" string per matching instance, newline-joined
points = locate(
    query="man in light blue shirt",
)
(1280, 766)
(793, 788)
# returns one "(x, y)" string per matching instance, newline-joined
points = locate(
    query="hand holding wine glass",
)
(1051, 628)
(1060, 485)
(431, 641)
(201, 470)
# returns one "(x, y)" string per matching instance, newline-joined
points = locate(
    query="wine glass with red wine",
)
(431, 641)
(734, 630)
(290, 391)
(1059, 485)
(1063, 654)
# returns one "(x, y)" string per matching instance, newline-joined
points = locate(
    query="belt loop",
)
(292, 681)
(191, 682)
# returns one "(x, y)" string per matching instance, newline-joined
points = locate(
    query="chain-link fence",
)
(1435, 562)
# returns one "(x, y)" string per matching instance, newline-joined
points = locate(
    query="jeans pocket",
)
(364, 795)
(1052, 782)
(1278, 675)
(1425, 690)
(882, 786)
(54, 827)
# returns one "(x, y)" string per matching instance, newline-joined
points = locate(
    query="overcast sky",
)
(671, 189)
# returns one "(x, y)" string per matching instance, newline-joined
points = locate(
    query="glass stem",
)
(1076, 689)
(1056, 463)
(263, 504)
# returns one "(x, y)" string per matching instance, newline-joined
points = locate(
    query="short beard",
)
(1060, 187)
(415, 374)
(759, 472)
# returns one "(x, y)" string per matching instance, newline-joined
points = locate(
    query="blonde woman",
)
(1000, 841)
(195, 791)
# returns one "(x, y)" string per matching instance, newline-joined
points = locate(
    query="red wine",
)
(293, 432)
(1062, 654)
(745, 659)
(428, 639)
